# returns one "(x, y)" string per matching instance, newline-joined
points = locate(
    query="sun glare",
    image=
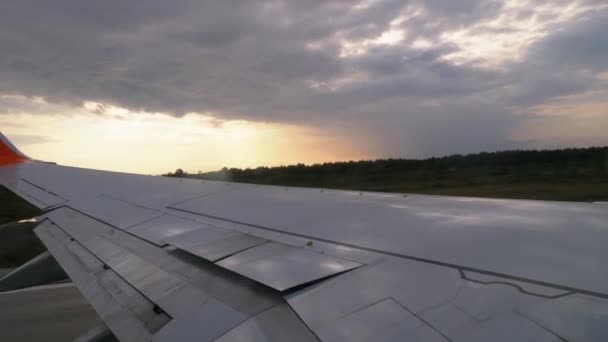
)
(112, 138)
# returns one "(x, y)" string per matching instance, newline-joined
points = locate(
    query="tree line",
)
(434, 175)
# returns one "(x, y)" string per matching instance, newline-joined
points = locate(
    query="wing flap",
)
(33, 193)
(143, 289)
(153, 282)
(115, 212)
(127, 295)
(161, 228)
(123, 323)
(40, 194)
(214, 243)
(277, 324)
(283, 267)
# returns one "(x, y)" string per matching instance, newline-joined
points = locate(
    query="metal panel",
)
(114, 212)
(377, 322)
(77, 184)
(159, 286)
(487, 301)
(88, 260)
(449, 319)
(159, 229)
(192, 311)
(100, 247)
(283, 267)
(57, 233)
(423, 333)
(32, 200)
(128, 296)
(203, 324)
(85, 230)
(244, 295)
(206, 234)
(417, 286)
(124, 326)
(149, 279)
(114, 246)
(575, 318)
(523, 287)
(386, 320)
(122, 323)
(270, 235)
(156, 284)
(561, 243)
(213, 243)
(507, 328)
(344, 252)
(39, 194)
(277, 324)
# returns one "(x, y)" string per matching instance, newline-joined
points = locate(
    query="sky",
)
(149, 87)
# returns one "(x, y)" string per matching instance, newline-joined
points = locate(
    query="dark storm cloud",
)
(279, 61)
(565, 63)
(198, 58)
(584, 45)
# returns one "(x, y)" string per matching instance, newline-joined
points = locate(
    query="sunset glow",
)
(157, 143)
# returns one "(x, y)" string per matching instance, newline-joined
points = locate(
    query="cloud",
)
(565, 63)
(584, 44)
(26, 139)
(417, 77)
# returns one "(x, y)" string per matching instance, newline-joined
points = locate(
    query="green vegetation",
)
(13, 208)
(18, 243)
(579, 174)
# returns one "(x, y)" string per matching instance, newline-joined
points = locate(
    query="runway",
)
(45, 313)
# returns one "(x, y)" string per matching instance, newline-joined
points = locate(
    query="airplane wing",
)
(171, 259)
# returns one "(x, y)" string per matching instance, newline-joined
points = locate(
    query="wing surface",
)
(169, 259)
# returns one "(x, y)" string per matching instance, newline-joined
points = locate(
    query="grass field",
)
(552, 189)
(580, 190)
(548, 188)
(559, 190)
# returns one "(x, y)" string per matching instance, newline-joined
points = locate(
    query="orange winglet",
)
(9, 154)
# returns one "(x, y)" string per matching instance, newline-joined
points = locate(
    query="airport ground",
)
(45, 313)
(55, 312)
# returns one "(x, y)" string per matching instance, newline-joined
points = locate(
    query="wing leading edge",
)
(175, 259)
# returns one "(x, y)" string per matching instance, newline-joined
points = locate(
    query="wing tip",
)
(9, 154)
